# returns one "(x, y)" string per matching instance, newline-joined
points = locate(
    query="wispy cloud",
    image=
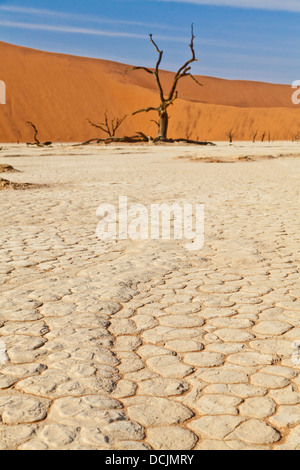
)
(287, 5)
(69, 29)
(48, 14)
(117, 34)
(79, 30)
(221, 44)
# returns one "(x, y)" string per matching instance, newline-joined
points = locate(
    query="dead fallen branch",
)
(193, 142)
(6, 184)
(5, 168)
(36, 141)
(140, 137)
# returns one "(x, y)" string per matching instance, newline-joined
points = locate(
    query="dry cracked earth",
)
(142, 344)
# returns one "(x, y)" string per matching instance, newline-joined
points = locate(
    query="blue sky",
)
(257, 42)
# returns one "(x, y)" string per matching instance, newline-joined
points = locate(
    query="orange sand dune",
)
(59, 93)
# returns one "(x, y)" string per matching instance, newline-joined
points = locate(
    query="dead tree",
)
(109, 126)
(166, 100)
(230, 134)
(36, 140)
(254, 135)
(137, 138)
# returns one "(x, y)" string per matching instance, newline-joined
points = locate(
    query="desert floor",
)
(143, 344)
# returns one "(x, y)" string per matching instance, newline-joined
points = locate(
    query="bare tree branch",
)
(131, 69)
(156, 73)
(156, 122)
(145, 110)
(36, 141)
(183, 71)
(143, 136)
(169, 102)
(195, 79)
(193, 59)
(35, 132)
(111, 127)
(98, 126)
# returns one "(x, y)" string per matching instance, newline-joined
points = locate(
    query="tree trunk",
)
(163, 126)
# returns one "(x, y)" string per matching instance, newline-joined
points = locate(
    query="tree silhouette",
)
(230, 134)
(168, 99)
(109, 126)
(254, 135)
(36, 140)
